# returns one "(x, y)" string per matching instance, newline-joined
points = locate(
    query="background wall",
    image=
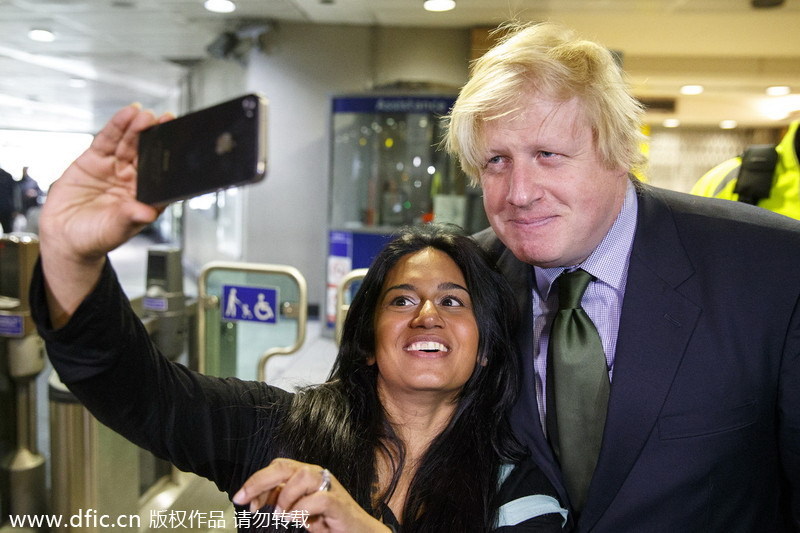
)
(285, 217)
(206, 230)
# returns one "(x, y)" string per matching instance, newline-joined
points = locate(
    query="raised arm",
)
(91, 210)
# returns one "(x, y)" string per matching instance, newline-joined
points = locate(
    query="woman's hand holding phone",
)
(92, 209)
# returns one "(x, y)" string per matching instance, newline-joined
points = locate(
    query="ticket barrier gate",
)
(245, 307)
(344, 292)
(94, 468)
(164, 310)
(267, 308)
(23, 488)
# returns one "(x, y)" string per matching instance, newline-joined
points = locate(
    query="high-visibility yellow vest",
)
(784, 198)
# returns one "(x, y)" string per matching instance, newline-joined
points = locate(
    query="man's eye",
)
(546, 155)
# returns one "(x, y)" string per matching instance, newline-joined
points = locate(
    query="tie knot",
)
(571, 286)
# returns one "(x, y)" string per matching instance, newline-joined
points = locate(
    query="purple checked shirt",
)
(602, 300)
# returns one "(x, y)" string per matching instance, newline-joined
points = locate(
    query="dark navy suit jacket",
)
(703, 427)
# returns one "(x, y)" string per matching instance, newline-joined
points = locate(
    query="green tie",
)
(578, 385)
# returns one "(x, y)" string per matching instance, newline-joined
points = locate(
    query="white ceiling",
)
(137, 50)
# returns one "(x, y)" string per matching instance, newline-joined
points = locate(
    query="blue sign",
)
(340, 243)
(155, 304)
(252, 304)
(11, 325)
(437, 105)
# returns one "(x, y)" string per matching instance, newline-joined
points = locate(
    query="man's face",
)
(546, 193)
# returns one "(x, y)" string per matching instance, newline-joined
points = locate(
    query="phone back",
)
(204, 151)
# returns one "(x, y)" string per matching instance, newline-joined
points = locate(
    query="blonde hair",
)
(548, 60)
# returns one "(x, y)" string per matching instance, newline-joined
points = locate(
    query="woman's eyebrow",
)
(400, 287)
(449, 285)
(409, 287)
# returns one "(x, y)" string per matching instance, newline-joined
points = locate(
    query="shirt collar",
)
(609, 261)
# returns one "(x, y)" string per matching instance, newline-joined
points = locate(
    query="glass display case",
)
(388, 171)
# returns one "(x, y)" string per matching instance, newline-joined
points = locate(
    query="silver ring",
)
(326, 481)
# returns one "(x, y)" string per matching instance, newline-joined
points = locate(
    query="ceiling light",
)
(692, 89)
(778, 90)
(779, 107)
(439, 5)
(220, 6)
(41, 35)
(728, 124)
(671, 123)
(778, 115)
(77, 83)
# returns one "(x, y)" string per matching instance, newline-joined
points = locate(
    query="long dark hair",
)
(341, 424)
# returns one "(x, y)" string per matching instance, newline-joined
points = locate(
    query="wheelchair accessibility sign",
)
(252, 304)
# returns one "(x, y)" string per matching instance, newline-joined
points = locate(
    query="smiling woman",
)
(409, 433)
(425, 374)
(426, 334)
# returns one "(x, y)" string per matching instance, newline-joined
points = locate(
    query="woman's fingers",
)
(285, 482)
(306, 480)
(128, 147)
(107, 140)
(260, 485)
(110, 160)
(309, 493)
(335, 511)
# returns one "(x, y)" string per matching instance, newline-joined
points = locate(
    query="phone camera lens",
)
(249, 105)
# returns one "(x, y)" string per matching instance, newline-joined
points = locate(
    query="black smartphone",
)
(215, 148)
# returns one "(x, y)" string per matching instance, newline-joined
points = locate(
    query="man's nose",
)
(524, 186)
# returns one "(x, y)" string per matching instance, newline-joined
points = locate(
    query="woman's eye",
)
(452, 301)
(401, 301)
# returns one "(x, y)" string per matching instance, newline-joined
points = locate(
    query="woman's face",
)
(426, 336)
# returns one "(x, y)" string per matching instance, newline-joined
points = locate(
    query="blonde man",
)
(694, 301)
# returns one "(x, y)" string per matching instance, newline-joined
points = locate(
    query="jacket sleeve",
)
(527, 502)
(216, 428)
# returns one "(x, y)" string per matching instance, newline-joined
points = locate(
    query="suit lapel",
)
(656, 324)
(520, 277)
(526, 417)
(525, 414)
